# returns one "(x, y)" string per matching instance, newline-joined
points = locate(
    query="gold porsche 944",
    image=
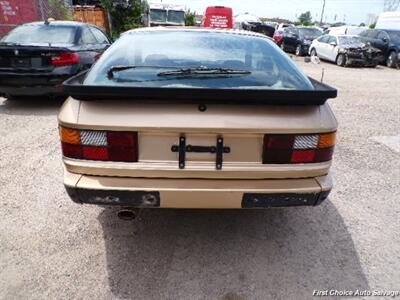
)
(196, 118)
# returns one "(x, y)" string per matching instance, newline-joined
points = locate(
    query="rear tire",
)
(391, 61)
(313, 52)
(341, 60)
(299, 51)
(283, 46)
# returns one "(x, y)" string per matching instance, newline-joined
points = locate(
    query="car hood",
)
(360, 46)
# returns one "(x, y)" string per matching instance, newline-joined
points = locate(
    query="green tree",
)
(372, 26)
(125, 17)
(305, 19)
(58, 11)
(190, 18)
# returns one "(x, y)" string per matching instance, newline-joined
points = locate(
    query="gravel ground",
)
(53, 248)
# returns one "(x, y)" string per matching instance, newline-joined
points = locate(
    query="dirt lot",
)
(51, 248)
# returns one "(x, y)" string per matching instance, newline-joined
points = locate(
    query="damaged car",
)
(345, 50)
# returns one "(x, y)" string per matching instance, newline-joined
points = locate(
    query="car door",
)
(289, 38)
(322, 47)
(331, 48)
(374, 40)
(383, 42)
(294, 40)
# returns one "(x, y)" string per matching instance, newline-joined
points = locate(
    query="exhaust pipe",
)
(128, 214)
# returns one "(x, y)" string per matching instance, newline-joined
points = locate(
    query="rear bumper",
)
(31, 84)
(197, 193)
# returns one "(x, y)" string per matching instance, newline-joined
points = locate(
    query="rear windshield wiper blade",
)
(204, 71)
(113, 69)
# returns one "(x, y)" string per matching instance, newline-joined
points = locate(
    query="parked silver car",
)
(345, 50)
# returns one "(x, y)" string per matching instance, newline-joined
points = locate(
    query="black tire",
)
(313, 52)
(391, 60)
(299, 50)
(283, 46)
(341, 60)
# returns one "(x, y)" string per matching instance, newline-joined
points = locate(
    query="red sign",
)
(218, 17)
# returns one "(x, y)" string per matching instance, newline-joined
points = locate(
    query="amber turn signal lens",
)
(70, 136)
(327, 140)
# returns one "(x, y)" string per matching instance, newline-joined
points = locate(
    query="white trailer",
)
(161, 14)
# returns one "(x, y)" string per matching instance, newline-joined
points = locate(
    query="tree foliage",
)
(125, 16)
(305, 18)
(190, 18)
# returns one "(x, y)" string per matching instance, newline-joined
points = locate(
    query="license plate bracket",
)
(219, 149)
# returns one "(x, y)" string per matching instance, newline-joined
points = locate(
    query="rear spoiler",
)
(75, 88)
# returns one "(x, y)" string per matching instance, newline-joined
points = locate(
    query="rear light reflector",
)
(99, 145)
(65, 59)
(301, 148)
(95, 153)
(70, 136)
(72, 151)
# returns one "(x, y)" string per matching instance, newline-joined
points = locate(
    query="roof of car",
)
(58, 23)
(344, 35)
(196, 29)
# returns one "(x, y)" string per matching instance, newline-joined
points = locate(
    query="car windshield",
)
(175, 16)
(158, 15)
(394, 36)
(311, 33)
(350, 40)
(41, 34)
(196, 59)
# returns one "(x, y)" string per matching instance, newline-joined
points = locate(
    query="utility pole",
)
(322, 13)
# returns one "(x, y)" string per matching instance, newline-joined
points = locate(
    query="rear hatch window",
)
(212, 60)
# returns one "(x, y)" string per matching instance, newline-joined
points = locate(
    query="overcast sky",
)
(351, 11)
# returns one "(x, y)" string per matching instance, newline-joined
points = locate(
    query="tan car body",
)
(199, 184)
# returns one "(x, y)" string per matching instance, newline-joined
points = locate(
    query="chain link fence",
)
(56, 9)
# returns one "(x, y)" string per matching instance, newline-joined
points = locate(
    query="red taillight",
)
(99, 145)
(301, 148)
(65, 59)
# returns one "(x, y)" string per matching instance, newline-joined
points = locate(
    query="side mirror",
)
(385, 40)
(333, 44)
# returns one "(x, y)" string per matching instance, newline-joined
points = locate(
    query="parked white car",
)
(345, 50)
(345, 30)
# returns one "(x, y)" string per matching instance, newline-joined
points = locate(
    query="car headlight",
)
(306, 42)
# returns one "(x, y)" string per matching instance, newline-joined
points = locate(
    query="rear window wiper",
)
(113, 69)
(205, 71)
